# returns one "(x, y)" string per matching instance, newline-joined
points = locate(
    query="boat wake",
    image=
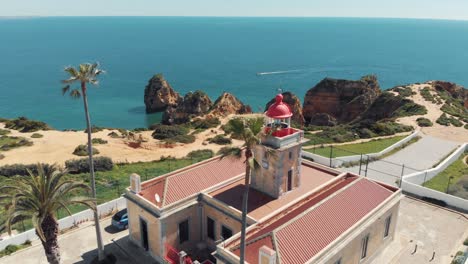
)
(278, 72)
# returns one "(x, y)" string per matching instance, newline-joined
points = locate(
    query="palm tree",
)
(38, 197)
(84, 74)
(249, 130)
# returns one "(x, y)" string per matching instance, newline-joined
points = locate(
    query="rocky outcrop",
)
(335, 101)
(294, 103)
(455, 90)
(159, 95)
(193, 104)
(228, 104)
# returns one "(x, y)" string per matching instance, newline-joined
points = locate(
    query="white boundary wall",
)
(67, 222)
(411, 183)
(337, 162)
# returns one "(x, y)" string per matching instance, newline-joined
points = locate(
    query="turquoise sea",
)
(212, 54)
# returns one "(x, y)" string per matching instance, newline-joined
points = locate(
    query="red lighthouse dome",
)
(279, 110)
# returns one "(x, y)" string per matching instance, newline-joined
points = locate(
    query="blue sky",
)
(440, 9)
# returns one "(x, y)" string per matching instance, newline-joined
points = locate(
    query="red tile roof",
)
(186, 182)
(302, 232)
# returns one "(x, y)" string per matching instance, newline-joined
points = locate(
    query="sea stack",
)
(228, 104)
(159, 95)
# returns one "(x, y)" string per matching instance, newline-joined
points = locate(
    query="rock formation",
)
(159, 95)
(455, 90)
(294, 103)
(228, 104)
(193, 104)
(335, 101)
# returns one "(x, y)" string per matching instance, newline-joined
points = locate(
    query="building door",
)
(183, 231)
(144, 234)
(289, 180)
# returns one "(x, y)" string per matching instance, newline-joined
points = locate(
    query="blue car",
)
(120, 219)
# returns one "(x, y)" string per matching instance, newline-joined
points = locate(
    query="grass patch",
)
(372, 146)
(94, 129)
(10, 249)
(4, 132)
(448, 120)
(37, 135)
(457, 170)
(427, 95)
(7, 143)
(404, 91)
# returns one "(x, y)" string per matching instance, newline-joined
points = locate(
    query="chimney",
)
(135, 183)
(266, 255)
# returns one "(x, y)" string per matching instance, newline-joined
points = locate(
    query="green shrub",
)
(113, 135)
(443, 120)
(466, 126)
(163, 132)
(22, 124)
(18, 169)
(424, 122)
(409, 109)
(404, 91)
(82, 150)
(426, 94)
(186, 139)
(209, 122)
(2, 156)
(4, 132)
(220, 140)
(98, 141)
(140, 129)
(94, 129)
(11, 249)
(37, 135)
(200, 154)
(82, 165)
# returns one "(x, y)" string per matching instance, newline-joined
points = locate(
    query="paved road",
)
(432, 229)
(79, 246)
(418, 156)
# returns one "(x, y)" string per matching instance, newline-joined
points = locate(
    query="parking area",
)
(424, 231)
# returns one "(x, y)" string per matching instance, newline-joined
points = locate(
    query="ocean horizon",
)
(213, 54)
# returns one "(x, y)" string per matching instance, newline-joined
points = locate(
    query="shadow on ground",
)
(124, 251)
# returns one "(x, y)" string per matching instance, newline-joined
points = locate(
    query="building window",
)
(183, 231)
(338, 261)
(388, 221)
(210, 228)
(365, 241)
(226, 232)
(290, 155)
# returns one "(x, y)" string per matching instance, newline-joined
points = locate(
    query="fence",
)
(412, 183)
(67, 222)
(354, 157)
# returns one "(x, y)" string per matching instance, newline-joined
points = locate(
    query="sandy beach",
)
(57, 146)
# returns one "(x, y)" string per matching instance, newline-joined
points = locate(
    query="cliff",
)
(455, 90)
(228, 104)
(159, 95)
(193, 104)
(334, 101)
(294, 103)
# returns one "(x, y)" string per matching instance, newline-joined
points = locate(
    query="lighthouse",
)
(279, 153)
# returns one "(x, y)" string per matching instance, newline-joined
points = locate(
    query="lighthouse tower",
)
(279, 153)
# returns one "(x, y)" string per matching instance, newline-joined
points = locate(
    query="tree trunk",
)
(100, 246)
(50, 228)
(245, 202)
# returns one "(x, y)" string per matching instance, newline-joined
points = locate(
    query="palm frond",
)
(230, 152)
(65, 89)
(72, 71)
(75, 94)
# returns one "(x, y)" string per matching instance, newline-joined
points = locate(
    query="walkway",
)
(418, 156)
(433, 229)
